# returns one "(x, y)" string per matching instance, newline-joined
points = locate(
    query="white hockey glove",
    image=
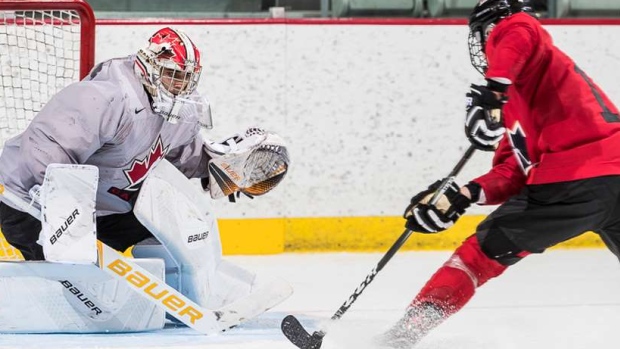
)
(252, 164)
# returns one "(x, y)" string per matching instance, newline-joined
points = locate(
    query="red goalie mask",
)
(169, 67)
(170, 63)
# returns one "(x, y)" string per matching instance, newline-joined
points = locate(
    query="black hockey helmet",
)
(482, 20)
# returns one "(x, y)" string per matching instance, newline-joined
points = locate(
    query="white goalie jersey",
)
(105, 120)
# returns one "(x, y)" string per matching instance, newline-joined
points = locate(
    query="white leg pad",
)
(180, 217)
(244, 298)
(151, 248)
(230, 281)
(42, 297)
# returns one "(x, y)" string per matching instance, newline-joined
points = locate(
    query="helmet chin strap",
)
(167, 107)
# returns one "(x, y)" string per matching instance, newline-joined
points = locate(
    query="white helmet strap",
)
(168, 107)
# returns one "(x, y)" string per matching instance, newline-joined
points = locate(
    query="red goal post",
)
(45, 45)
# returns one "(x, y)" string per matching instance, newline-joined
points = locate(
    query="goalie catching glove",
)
(425, 218)
(252, 164)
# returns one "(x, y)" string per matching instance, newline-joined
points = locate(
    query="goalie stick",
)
(149, 286)
(294, 330)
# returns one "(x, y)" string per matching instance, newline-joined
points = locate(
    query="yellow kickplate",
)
(334, 234)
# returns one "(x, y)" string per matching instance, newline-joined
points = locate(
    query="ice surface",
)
(561, 299)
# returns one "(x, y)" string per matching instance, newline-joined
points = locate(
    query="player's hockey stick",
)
(297, 334)
(172, 301)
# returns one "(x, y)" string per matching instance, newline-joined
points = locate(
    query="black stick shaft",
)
(445, 184)
(403, 237)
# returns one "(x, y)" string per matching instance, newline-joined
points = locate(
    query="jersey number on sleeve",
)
(607, 114)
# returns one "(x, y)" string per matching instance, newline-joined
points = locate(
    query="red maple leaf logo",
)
(140, 168)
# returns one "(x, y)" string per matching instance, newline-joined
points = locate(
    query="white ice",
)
(561, 299)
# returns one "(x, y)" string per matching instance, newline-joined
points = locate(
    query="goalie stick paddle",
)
(294, 330)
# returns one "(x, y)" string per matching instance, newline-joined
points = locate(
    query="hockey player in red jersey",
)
(556, 168)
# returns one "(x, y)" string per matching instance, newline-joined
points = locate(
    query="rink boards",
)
(357, 102)
(354, 234)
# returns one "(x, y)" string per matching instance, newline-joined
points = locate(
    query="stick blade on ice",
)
(297, 334)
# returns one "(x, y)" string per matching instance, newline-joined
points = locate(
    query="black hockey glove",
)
(424, 218)
(483, 124)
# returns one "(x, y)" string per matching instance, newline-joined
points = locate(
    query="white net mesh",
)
(40, 53)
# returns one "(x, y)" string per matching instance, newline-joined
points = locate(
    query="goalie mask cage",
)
(44, 46)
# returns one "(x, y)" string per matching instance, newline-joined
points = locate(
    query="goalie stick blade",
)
(297, 334)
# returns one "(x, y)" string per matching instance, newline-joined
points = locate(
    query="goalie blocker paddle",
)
(293, 329)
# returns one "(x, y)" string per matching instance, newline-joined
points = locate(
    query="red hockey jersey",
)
(560, 125)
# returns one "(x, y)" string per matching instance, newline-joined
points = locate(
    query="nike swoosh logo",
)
(139, 110)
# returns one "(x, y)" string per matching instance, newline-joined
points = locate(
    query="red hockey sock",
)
(453, 285)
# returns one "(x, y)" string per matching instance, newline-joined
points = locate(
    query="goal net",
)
(44, 46)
